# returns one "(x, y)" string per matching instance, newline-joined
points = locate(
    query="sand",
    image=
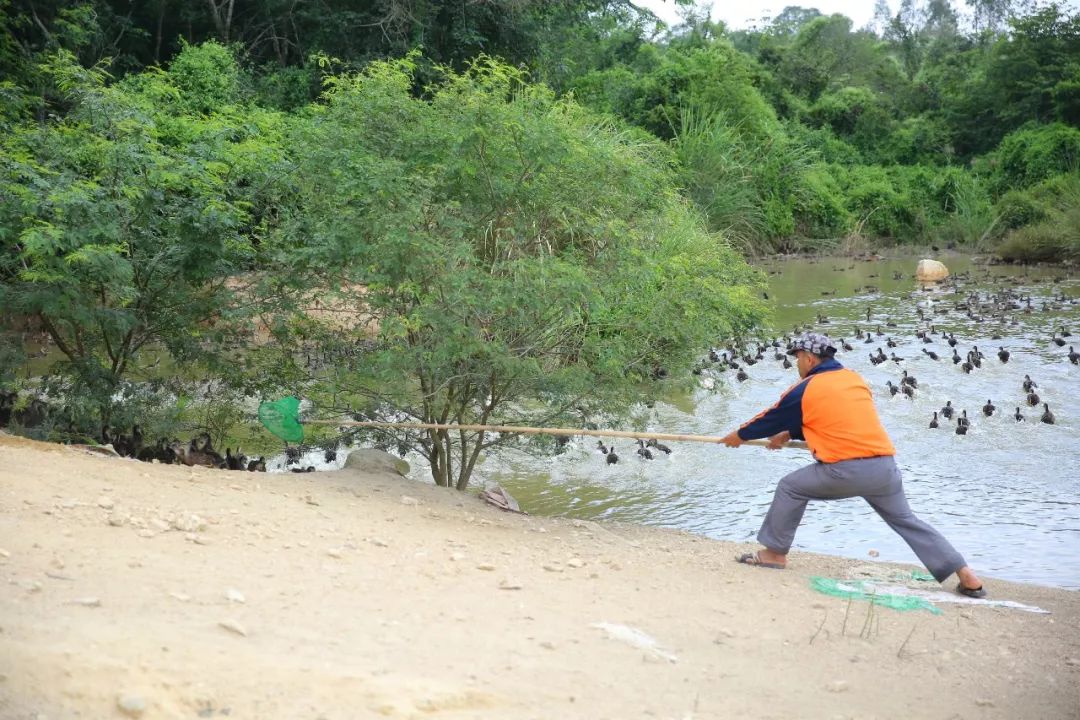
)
(137, 590)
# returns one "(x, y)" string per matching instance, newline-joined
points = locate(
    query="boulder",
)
(375, 461)
(931, 271)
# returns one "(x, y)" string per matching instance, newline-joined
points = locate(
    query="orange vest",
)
(840, 421)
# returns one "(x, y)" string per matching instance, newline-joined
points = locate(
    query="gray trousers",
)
(876, 480)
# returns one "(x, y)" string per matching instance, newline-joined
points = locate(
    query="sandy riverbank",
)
(195, 593)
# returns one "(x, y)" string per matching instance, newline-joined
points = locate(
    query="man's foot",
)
(763, 558)
(969, 584)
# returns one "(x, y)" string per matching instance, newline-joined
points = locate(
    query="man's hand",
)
(778, 440)
(732, 439)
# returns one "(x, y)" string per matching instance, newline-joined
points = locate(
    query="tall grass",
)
(1055, 238)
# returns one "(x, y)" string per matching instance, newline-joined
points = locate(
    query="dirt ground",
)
(136, 590)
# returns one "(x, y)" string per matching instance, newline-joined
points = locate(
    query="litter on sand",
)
(636, 638)
(906, 598)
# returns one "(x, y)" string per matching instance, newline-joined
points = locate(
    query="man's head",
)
(810, 350)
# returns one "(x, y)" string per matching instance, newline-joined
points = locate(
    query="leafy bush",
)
(819, 207)
(1035, 153)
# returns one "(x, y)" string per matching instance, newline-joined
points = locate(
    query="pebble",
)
(234, 595)
(457, 557)
(118, 519)
(379, 542)
(488, 567)
(1072, 661)
(575, 563)
(233, 627)
(131, 705)
(838, 686)
(984, 702)
(334, 552)
(87, 602)
(407, 500)
(509, 584)
(105, 502)
(4, 553)
(182, 597)
(552, 567)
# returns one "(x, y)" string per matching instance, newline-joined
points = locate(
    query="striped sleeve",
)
(786, 414)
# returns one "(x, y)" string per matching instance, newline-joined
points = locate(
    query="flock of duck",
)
(999, 307)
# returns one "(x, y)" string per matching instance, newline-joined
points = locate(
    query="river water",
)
(1007, 494)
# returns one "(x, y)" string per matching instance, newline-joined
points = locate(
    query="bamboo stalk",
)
(675, 437)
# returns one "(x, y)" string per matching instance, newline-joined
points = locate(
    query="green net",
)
(858, 590)
(282, 417)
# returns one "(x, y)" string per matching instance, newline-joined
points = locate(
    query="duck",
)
(895, 359)
(741, 376)
(643, 452)
(1018, 416)
(934, 422)
(292, 455)
(1047, 416)
(235, 462)
(1059, 341)
(191, 455)
(659, 446)
(930, 354)
(964, 419)
(906, 379)
(612, 457)
(1032, 398)
(330, 454)
(1029, 384)
(787, 363)
(1074, 357)
(600, 447)
(952, 340)
(908, 390)
(847, 346)
(988, 409)
(1003, 354)
(956, 357)
(257, 465)
(961, 428)
(893, 389)
(947, 411)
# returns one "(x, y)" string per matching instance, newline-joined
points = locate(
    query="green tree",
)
(516, 258)
(122, 221)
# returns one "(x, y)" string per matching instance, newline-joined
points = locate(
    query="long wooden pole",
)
(676, 437)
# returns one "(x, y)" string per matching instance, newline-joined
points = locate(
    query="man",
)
(832, 409)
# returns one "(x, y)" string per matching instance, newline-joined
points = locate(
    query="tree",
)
(518, 260)
(122, 220)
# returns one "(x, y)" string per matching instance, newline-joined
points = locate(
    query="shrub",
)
(1036, 153)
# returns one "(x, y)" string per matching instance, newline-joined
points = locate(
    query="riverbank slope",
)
(171, 592)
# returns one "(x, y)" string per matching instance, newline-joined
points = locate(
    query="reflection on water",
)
(1007, 494)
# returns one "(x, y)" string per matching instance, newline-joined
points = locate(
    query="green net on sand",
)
(859, 590)
(282, 417)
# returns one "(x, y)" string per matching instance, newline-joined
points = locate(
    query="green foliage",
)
(206, 77)
(498, 294)
(1043, 221)
(121, 221)
(1034, 154)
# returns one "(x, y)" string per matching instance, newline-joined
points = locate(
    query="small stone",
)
(984, 702)
(379, 542)
(233, 627)
(487, 567)
(547, 645)
(160, 525)
(334, 552)
(182, 597)
(118, 519)
(508, 584)
(147, 533)
(1073, 662)
(4, 554)
(550, 567)
(105, 502)
(87, 602)
(837, 686)
(34, 587)
(310, 500)
(575, 563)
(234, 595)
(131, 705)
(411, 501)
(457, 557)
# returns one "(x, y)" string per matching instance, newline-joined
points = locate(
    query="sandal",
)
(755, 560)
(979, 592)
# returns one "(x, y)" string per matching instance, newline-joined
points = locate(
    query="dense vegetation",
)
(524, 208)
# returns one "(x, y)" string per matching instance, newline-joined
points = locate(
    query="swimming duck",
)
(961, 428)
(612, 458)
(952, 340)
(659, 446)
(895, 359)
(963, 419)
(1032, 398)
(1003, 354)
(988, 408)
(893, 389)
(1074, 357)
(1029, 384)
(1047, 416)
(890, 342)
(934, 422)
(955, 357)
(741, 376)
(947, 411)
(930, 354)
(600, 447)
(1060, 342)
(643, 452)
(847, 346)
(787, 363)
(906, 379)
(1018, 416)
(909, 391)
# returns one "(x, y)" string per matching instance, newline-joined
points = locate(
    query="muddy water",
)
(1007, 494)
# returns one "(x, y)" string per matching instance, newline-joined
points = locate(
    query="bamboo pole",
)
(675, 437)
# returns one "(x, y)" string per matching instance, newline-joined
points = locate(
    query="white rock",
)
(87, 602)
(407, 500)
(131, 704)
(838, 686)
(509, 584)
(931, 271)
(234, 595)
(575, 563)
(118, 519)
(488, 567)
(379, 542)
(105, 502)
(4, 553)
(233, 627)
(334, 552)
(182, 597)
